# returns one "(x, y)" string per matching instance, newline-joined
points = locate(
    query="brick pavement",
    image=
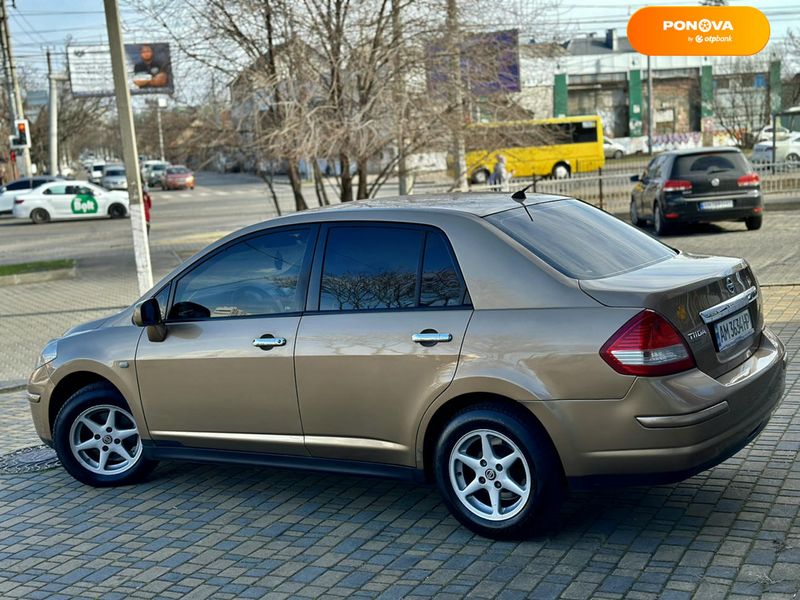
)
(236, 532)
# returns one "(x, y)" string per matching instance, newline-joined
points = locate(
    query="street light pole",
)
(130, 155)
(160, 130)
(53, 114)
(19, 111)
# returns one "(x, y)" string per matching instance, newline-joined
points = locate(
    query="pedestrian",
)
(148, 203)
(501, 175)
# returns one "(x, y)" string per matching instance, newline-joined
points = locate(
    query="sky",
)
(40, 24)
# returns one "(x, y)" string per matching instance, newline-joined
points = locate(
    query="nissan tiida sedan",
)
(506, 349)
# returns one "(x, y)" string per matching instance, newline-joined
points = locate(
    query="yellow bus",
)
(548, 147)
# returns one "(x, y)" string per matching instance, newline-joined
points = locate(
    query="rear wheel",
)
(498, 473)
(618, 154)
(659, 222)
(480, 176)
(116, 211)
(793, 160)
(753, 223)
(39, 216)
(97, 439)
(561, 171)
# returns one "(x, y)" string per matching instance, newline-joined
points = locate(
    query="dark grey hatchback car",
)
(699, 185)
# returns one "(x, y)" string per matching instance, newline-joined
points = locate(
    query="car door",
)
(57, 199)
(224, 376)
(651, 186)
(386, 316)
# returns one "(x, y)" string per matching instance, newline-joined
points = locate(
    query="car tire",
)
(532, 470)
(753, 223)
(88, 438)
(39, 216)
(561, 171)
(659, 222)
(480, 177)
(634, 212)
(618, 154)
(117, 211)
(793, 160)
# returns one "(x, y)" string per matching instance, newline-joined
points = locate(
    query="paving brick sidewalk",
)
(237, 532)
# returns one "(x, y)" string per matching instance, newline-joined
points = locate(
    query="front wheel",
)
(97, 439)
(753, 223)
(116, 211)
(561, 171)
(497, 472)
(480, 177)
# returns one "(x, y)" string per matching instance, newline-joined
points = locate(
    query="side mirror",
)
(147, 313)
(635, 178)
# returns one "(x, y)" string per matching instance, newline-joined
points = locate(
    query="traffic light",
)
(21, 137)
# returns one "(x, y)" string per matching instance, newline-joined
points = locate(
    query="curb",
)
(769, 206)
(12, 385)
(38, 276)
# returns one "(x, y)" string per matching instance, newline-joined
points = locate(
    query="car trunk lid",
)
(712, 301)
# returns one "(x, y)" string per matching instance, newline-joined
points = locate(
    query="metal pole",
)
(160, 131)
(53, 110)
(141, 248)
(650, 105)
(19, 110)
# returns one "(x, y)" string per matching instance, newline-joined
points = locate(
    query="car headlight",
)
(48, 354)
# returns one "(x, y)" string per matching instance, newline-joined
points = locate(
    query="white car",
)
(787, 150)
(10, 191)
(70, 200)
(765, 135)
(613, 149)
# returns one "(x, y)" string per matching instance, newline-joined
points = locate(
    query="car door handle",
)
(265, 343)
(431, 337)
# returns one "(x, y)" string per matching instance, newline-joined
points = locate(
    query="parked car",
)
(787, 151)
(503, 351)
(613, 149)
(148, 164)
(697, 185)
(178, 177)
(114, 178)
(765, 135)
(155, 174)
(10, 191)
(70, 200)
(96, 172)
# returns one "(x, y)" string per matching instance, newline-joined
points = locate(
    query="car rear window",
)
(579, 240)
(177, 170)
(115, 173)
(694, 164)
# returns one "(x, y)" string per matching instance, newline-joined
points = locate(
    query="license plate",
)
(733, 329)
(716, 204)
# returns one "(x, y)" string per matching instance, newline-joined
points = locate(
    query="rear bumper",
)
(669, 428)
(690, 211)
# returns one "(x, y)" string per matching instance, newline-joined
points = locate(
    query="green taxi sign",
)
(84, 204)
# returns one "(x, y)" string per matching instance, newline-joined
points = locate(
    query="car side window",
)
(370, 268)
(654, 168)
(441, 283)
(18, 185)
(162, 297)
(257, 276)
(57, 190)
(388, 267)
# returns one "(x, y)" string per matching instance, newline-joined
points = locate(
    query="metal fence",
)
(610, 188)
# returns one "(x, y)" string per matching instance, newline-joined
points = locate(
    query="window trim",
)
(302, 280)
(315, 286)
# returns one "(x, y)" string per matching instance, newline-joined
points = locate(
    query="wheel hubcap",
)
(490, 475)
(104, 439)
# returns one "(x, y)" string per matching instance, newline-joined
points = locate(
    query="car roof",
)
(480, 204)
(702, 150)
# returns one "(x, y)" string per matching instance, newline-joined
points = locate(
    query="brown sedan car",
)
(506, 349)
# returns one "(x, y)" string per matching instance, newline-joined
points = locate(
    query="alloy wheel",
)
(490, 475)
(105, 440)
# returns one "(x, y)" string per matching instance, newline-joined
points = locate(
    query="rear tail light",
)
(18, 201)
(647, 345)
(677, 185)
(748, 180)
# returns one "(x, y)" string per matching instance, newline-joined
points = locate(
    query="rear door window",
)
(385, 267)
(579, 240)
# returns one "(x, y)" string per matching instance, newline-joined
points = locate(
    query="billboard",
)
(148, 66)
(489, 63)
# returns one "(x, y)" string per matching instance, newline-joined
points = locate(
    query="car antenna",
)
(520, 197)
